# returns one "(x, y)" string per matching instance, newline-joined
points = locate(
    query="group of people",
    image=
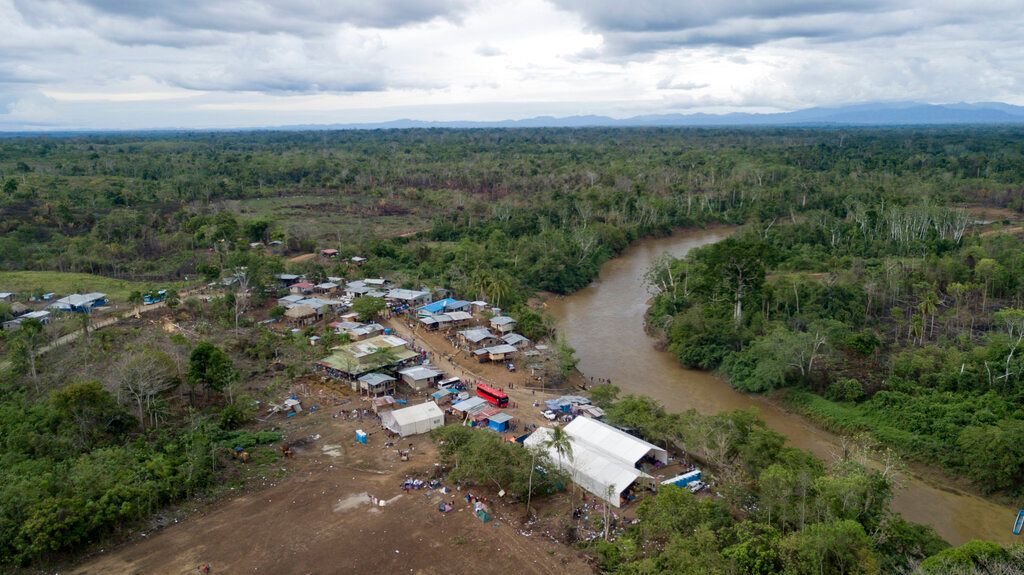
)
(354, 414)
(411, 483)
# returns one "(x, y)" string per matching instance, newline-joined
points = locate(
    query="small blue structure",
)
(1019, 523)
(157, 297)
(684, 479)
(499, 421)
(441, 394)
(361, 436)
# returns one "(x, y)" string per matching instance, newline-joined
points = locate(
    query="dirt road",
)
(520, 386)
(320, 520)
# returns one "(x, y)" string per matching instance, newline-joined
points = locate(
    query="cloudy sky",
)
(120, 64)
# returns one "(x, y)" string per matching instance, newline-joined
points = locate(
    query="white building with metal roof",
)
(419, 377)
(605, 461)
(414, 419)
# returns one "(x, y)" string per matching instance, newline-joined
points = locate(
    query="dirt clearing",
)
(322, 519)
(302, 258)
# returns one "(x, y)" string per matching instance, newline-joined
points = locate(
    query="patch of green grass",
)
(834, 416)
(848, 418)
(61, 283)
(333, 216)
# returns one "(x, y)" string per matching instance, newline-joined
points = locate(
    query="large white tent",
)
(603, 459)
(617, 443)
(414, 419)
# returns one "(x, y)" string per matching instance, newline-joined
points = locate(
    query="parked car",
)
(549, 415)
(697, 486)
(510, 366)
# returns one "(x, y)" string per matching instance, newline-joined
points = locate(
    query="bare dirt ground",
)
(301, 258)
(320, 519)
(1002, 230)
(991, 214)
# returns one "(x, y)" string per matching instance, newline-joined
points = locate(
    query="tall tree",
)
(25, 346)
(211, 368)
(734, 270)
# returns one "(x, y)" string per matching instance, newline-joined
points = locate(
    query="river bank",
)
(605, 323)
(801, 404)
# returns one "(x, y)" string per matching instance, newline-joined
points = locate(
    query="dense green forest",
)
(860, 285)
(544, 205)
(778, 509)
(872, 317)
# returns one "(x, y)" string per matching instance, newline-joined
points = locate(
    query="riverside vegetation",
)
(859, 261)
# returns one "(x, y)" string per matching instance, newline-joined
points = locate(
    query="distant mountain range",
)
(889, 114)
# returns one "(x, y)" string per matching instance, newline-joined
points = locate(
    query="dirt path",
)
(113, 319)
(302, 258)
(520, 385)
(99, 324)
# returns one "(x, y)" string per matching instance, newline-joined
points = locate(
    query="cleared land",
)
(320, 519)
(22, 282)
(329, 217)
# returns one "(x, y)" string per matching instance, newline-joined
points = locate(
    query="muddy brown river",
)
(605, 323)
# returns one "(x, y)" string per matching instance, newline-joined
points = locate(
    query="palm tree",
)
(916, 328)
(26, 343)
(928, 308)
(559, 440)
(135, 298)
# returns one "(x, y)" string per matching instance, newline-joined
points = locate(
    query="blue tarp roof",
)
(441, 305)
(437, 306)
(554, 404)
(566, 400)
(441, 393)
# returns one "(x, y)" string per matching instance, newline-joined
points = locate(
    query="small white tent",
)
(414, 419)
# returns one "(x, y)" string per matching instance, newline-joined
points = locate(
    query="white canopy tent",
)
(603, 459)
(413, 420)
(617, 443)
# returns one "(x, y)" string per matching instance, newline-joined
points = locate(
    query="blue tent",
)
(499, 421)
(556, 404)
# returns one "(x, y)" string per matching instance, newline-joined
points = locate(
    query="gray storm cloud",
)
(93, 62)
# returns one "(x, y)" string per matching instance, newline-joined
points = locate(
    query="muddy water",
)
(605, 323)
